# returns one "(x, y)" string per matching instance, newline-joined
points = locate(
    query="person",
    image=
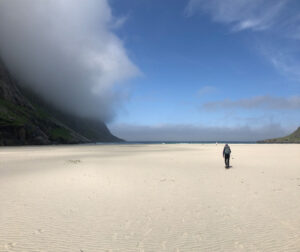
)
(226, 154)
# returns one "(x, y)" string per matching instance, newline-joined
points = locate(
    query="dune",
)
(91, 198)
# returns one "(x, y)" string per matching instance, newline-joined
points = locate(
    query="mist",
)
(185, 132)
(67, 52)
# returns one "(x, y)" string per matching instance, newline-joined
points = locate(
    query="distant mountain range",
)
(292, 138)
(26, 120)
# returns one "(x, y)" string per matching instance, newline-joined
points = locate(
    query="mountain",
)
(26, 120)
(292, 138)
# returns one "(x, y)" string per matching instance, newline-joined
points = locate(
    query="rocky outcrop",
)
(23, 121)
(292, 138)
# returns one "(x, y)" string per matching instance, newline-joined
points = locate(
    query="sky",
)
(217, 69)
(187, 70)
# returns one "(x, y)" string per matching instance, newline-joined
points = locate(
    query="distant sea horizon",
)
(179, 142)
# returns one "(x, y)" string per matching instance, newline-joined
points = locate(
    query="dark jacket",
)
(226, 146)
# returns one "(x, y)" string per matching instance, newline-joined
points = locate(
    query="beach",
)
(150, 197)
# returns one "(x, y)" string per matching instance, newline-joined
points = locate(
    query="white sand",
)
(150, 198)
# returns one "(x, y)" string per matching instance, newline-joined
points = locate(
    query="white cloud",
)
(205, 90)
(67, 52)
(257, 102)
(119, 22)
(239, 14)
(285, 62)
(277, 19)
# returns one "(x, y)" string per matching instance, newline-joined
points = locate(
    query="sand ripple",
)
(149, 198)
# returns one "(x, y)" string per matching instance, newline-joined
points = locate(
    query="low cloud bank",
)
(196, 133)
(257, 102)
(67, 52)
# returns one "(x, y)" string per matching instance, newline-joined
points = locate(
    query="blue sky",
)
(162, 70)
(207, 64)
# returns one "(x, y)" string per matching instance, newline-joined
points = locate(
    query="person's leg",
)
(228, 160)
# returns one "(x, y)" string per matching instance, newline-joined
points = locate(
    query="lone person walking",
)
(226, 154)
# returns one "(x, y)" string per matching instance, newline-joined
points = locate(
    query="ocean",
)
(180, 142)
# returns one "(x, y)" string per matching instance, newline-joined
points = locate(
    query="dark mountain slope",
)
(27, 121)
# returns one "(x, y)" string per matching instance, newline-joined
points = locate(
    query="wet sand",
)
(150, 198)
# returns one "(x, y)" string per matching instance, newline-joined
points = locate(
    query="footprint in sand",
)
(238, 245)
(148, 232)
(198, 237)
(10, 245)
(163, 245)
(74, 161)
(38, 231)
(185, 235)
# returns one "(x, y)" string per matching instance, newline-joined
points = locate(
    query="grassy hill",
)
(26, 120)
(292, 138)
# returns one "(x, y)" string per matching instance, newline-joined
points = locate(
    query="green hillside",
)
(26, 120)
(292, 138)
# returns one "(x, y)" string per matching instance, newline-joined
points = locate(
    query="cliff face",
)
(292, 138)
(24, 121)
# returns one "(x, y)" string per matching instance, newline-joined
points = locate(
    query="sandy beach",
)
(150, 198)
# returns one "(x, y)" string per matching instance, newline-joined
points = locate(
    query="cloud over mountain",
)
(67, 52)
